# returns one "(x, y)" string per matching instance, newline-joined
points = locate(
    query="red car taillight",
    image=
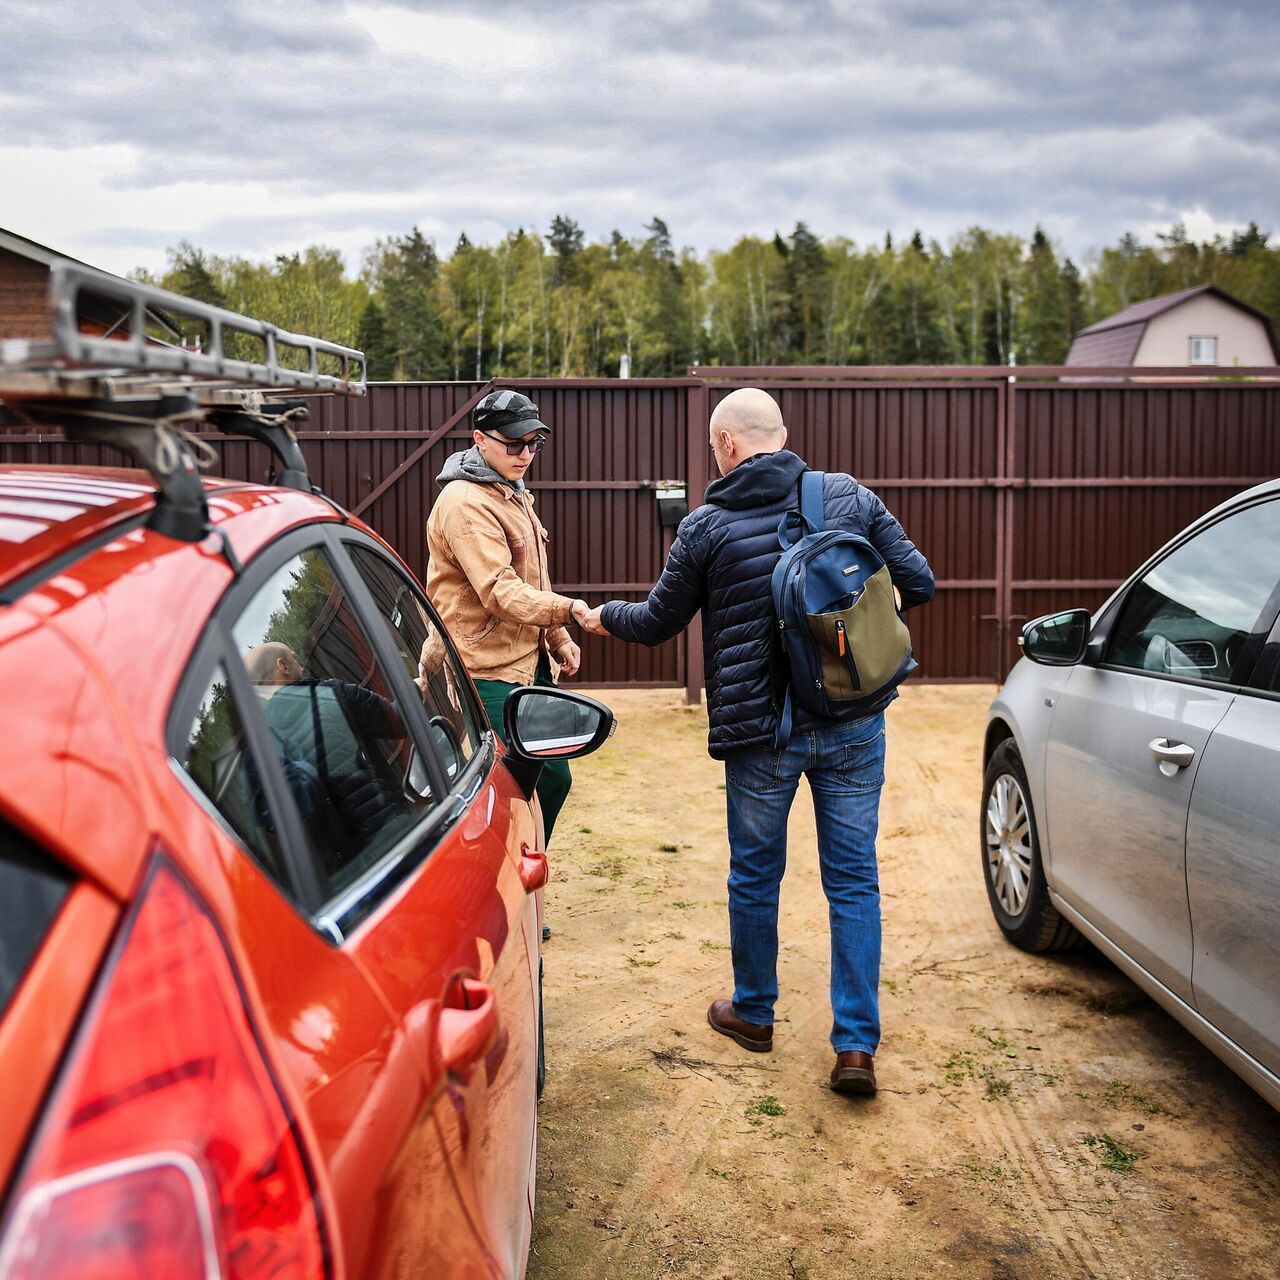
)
(167, 1149)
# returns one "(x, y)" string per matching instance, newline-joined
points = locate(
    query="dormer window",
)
(1204, 350)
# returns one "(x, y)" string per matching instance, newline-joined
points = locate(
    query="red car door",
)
(312, 774)
(467, 916)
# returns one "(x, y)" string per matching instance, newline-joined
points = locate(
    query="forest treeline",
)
(555, 305)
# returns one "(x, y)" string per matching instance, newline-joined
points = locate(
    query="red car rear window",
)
(32, 887)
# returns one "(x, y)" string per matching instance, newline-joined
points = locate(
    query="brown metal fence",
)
(1026, 495)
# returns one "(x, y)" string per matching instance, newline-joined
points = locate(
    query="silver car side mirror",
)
(1057, 639)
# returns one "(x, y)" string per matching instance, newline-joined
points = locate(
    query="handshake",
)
(588, 619)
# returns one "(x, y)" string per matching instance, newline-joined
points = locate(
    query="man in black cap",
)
(487, 571)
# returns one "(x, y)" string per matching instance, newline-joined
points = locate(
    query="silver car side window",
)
(1190, 614)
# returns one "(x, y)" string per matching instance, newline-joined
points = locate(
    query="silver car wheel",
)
(1008, 833)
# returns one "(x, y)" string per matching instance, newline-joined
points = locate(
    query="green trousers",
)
(555, 779)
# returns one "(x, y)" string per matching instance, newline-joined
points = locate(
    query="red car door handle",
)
(468, 1024)
(533, 868)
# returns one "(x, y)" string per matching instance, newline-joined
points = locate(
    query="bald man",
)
(721, 563)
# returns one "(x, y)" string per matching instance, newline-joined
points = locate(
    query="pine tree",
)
(565, 239)
(1251, 238)
(806, 285)
(373, 338)
(1045, 330)
(1072, 297)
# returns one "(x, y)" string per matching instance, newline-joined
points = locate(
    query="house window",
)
(1204, 350)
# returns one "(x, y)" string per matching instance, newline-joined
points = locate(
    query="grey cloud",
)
(722, 116)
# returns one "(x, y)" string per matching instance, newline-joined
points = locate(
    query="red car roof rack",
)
(126, 386)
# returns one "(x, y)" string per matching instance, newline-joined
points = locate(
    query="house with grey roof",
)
(1201, 326)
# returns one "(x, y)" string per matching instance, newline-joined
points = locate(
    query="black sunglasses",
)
(515, 448)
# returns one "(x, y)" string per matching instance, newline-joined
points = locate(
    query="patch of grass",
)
(610, 867)
(1112, 1154)
(726, 1174)
(890, 985)
(981, 1171)
(586, 831)
(707, 945)
(1121, 1093)
(960, 1067)
(668, 848)
(997, 1088)
(766, 1106)
(995, 1040)
(642, 964)
(682, 904)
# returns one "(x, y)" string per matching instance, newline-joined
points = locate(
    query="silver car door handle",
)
(1175, 753)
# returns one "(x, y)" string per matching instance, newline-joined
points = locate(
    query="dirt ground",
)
(1038, 1117)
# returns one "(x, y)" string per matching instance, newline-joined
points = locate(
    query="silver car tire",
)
(1011, 865)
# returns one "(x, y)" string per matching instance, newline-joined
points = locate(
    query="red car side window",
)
(455, 722)
(222, 765)
(333, 717)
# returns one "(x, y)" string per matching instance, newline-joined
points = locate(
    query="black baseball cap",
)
(509, 413)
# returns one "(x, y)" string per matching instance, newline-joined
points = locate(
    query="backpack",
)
(840, 631)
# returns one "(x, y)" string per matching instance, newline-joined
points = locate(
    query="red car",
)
(269, 935)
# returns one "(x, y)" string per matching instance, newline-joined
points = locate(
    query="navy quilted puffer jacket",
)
(722, 561)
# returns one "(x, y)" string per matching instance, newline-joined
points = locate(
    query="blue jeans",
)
(845, 768)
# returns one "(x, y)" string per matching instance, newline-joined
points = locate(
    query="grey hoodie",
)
(470, 465)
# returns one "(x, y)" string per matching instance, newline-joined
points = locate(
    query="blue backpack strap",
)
(783, 734)
(811, 506)
(809, 517)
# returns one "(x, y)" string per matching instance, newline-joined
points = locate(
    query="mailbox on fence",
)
(673, 505)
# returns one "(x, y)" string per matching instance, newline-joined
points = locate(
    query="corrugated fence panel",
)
(1113, 472)
(1093, 480)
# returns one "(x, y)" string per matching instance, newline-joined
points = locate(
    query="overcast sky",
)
(259, 127)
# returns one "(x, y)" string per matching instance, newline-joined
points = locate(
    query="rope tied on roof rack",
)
(172, 439)
(298, 413)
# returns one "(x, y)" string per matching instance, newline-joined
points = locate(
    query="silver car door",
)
(1117, 821)
(1127, 736)
(1233, 873)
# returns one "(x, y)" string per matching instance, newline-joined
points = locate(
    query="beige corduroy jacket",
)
(487, 578)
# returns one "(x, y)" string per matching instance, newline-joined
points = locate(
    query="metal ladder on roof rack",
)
(129, 389)
(129, 350)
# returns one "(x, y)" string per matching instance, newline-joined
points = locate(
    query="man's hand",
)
(591, 623)
(569, 656)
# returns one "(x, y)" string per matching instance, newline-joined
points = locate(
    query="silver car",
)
(1132, 783)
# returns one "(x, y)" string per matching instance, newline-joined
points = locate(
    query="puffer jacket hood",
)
(760, 481)
(470, 465)
(721, 563)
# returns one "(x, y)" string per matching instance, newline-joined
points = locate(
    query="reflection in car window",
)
(222, 766)
(1190, 614)
(455, 725)
(332, 716)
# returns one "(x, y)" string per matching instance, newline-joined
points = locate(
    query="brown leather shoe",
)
(748, 1034)
(854, 1072)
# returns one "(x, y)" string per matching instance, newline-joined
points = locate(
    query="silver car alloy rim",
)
(1008, 833)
